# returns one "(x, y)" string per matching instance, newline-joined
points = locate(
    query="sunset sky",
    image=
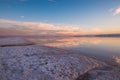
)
(67, 17)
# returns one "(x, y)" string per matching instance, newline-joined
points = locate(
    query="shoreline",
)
(90, 65)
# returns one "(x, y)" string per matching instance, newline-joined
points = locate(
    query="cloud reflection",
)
(73, 42)
(117, 59)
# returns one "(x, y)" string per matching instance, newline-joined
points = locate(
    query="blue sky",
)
(82, 13)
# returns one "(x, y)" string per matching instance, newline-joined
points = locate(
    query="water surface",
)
(103, 48)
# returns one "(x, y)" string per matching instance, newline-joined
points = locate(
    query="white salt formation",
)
(42, 63)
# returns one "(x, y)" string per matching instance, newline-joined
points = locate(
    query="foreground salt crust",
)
(13, 41)
(42, 63)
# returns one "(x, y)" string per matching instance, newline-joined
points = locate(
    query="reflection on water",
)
(117, 59)
(73, 42)
(103, 48)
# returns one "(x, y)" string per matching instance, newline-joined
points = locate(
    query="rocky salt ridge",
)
(46, 63)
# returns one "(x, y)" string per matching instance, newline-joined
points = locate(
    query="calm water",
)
(106, 49)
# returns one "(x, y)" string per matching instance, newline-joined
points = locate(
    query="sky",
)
(59, 16)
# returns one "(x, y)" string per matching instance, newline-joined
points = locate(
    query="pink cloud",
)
(39, 25)
(116, 11)
(40, 28)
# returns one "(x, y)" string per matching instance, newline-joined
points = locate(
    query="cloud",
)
(3, 21)
(51, 0)
(96, 30)
(23, 0)
(38, 28)
(116, 11)
(30, 25)
(40, 25)
(22, 16)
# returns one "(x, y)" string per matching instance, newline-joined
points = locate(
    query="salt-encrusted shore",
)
(47, 63)
(14, 41)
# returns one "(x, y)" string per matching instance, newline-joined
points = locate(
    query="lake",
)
(102, 48)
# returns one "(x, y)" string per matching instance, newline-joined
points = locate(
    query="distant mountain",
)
(108, 35)
(99, 35)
